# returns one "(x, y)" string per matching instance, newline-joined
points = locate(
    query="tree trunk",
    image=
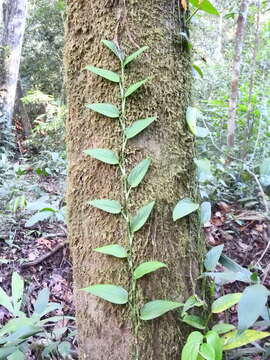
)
(105, 331)
(20, 112)
(13, 14)
(239, 39)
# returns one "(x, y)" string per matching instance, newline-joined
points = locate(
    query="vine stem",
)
(126, 215)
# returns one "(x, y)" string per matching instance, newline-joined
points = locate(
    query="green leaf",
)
(204, 5)
(112, 46)
(39, 216)
(138, 173)
(104, 155)
(226, 277)
(198, 70)
(235, 339)
(222, 328)
(137, 222)
(205, 212)
(134, 55)
(156, 308)
(183, 208)
(207, 352)
(110, 206)
(146, 268)
(112, 293)
(134, 87)
(225, 302)
(138, 126)
(251, 305)
(192, 301)
(105, 109)
(192, 116)
(194, 321)
(5, 301)
(42, 302)
(107, 74)
(191, 349)
(212, 257)
(113, 250)
(214, 341)
(231, 265)
(203, 170)
(17, 355)
(17, 286)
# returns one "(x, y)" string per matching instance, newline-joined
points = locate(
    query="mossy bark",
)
(104, 329)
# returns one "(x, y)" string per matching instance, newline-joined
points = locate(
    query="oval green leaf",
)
(194, 321)
(105, 109)
(138, 173)
(138, 126)
(235, 339)
(183, 208)
(215, 342)
(137, 222)
(135, 87)
(134, 55)
(105, 155)
(205, 212)
(225, 302)
(156, 308)
(251, 305)
(113, 250)
(107, 74)
(146, 268)
(212, 257)
(112, 293)
(110, 206)
(223, 328)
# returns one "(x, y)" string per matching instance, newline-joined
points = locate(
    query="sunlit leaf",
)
(225, 302)
(235, 339)
(112, 293)
(156, 308)
(204, 5)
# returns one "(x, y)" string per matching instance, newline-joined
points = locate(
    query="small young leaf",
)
(137, 222)
(135, 87)
(205, 212)
(235, 339)
(107, 74)
(146, 268)
(105, 109)
(138, 173)
(110, 206)
(207, 351)
(251, 305)
(5, 301)
(112, 293)
(112, 46)
(17, 286)
(183, 208)
(222, 328)
(156, 308)
(113, 250)
(225, 302)
(104, 155)
(212, 257)
(134, 55)
(42, 302)
(214, 341)
(194, 321)
(138, 126)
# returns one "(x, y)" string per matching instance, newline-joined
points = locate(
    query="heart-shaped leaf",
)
(138, 126)
(134, 55)
(156, 308)
(112, 293)
(135, 87)
(110, 206)
(105, 109)
(105, 155)
(183, 208)
(113, 250)
(146, 268)
(107, 74)
(212, 257)
(225, 302)
(141, 217)
(138, 173)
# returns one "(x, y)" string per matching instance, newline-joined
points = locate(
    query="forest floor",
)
(41, 256)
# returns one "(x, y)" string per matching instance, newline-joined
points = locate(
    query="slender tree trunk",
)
(105, 331)
(20, 112)
(239, 40)
(13, 13)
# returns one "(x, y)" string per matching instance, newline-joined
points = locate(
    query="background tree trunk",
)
(105, 329)
(13, 13)
(239, 39)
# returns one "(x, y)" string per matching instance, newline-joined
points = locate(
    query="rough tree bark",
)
(13, 15)
(239, 39)
(105, 329)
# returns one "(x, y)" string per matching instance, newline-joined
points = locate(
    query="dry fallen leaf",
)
(184, 4)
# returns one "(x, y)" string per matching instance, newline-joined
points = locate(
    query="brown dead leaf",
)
(184, 4)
